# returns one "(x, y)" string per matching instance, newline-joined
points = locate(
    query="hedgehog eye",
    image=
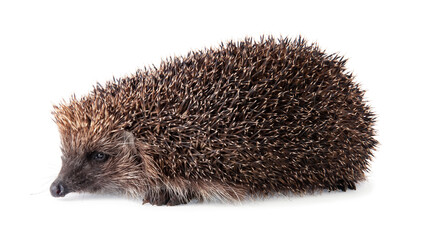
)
(99, 156)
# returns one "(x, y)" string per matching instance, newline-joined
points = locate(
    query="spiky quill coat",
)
(245, 119)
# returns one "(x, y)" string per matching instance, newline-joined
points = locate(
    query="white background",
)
(52, 49)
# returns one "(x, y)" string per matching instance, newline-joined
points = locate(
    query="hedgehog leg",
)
(178, 200)
(344, 185)
(158, 198)
(165, 197)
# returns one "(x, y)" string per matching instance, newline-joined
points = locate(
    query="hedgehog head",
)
(98, 155)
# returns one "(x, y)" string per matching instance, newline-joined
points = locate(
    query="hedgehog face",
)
(99, 163)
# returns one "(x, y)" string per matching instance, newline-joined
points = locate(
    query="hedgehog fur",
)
(246, 119)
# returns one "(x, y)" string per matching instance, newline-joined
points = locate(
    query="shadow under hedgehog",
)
(246, 119)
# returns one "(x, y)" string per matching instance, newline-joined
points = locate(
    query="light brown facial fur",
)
(246, 119)
(120, 169)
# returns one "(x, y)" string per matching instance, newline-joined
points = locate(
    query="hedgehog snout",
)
(58, 189)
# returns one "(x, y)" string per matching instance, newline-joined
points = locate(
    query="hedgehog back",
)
(273, 116)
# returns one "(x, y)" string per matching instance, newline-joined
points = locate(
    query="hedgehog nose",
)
(58, 189)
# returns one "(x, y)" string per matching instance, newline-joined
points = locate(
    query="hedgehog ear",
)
(138, 148)
(129, 140)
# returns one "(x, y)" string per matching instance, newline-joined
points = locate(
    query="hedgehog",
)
(245, 119)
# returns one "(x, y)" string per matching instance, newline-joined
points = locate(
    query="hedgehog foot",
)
(165, 197)
(344, 185)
